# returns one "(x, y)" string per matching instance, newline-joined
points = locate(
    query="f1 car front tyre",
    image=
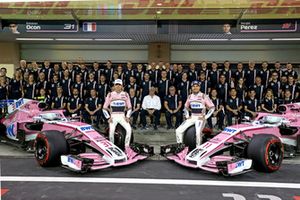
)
(2, 130)
(266, 152)
(189, 138)
(50, 145)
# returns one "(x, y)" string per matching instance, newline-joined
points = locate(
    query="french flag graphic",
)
(89, 27)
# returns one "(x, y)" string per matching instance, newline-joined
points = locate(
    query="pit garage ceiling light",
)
(196, 39)
(73, 39)
(286, 39)
(250, 39)
(113, 39)
(34, 39)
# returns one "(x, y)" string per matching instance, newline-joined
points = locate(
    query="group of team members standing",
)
(154, 89)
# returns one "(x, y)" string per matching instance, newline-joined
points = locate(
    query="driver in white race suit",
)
(197, 103)
(115, 105)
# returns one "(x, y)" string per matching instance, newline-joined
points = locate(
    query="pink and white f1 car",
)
(57, 139)
(260, 144)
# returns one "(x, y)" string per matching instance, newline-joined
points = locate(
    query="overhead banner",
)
(151, 9)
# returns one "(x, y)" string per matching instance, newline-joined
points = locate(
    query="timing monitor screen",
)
(184, 27)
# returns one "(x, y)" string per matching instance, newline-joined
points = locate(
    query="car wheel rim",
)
(41, 151)
(274, 154)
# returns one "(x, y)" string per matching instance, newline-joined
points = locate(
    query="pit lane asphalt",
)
(148, 169)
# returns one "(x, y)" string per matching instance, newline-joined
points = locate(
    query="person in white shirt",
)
(151, 106)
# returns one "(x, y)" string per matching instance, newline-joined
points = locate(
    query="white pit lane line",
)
(150, 181)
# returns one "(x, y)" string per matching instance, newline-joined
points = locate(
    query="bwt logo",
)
(120, 103)
(240, 164)
(86, 128)
(229, 130)
(18, 104)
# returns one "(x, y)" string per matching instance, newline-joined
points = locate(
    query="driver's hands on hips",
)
(201, 117)
(110, 120)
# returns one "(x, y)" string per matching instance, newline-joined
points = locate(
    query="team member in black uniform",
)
(259, 89)
(109, 71)
(83, 72)
(287, 98)
(222, 88)
(47, 70)
(79, 85)
(53, 86)
(59, 101)
(233, 106)
(292, 87)
(163, 86)
(92, 107)
(30, 89)
(214, 74)
(42, 82)
(154, 73)
(275, 85)
(241, 89)
(250, 75)
(66, 84)
(269, 103)
(278, 69)
(239, 73)
(204, 83)
(139, 74)
(184, 87)
(264, 73)
(74, 104)
(290, 71)
(219, 111)
(178, 75)
(129, 72)
(90, 84)
(136, 106)
(132, 84)
(251, 104)
(173, 105)
(3, 92)
(16, 86)
(146, 85)
(192, 73)
(103, 89)
(97, 71)
(227, 72)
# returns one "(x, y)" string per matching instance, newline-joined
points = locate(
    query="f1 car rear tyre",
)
(266, 152)
(120, 135)
(189, 138)
(50, 145)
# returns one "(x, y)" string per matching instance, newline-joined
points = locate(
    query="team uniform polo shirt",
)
(269, 103)
(234, 103)
(214, 77)
(192, 75)
(250, 76)
(265, 75)
(259, 90)
(173, 101)
(53, 88)
(290, 73)
(16, 87)
(163, 87)
(80, 87)
(103, 89)
(184, 90)
(66, 86)
(29, 91)
(59, 101)
(275, 86)
(252, 104)
(222, 89)
(74, 102)
(92, 103)
(227, 74)
(146, 85)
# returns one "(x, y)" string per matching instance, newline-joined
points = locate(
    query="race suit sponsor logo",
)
(86, 128)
